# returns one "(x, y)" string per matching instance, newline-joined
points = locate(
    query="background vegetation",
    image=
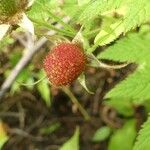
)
(116, 36)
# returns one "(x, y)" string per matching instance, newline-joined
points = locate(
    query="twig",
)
(24, 134)
(21, 115)
(21, 64)
(32, 49)
(9, 114)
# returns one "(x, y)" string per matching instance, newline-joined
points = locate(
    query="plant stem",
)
(49, 26)
(108, 66)
(76, 102)
(91, 33)
(24, 84)
(58, 19)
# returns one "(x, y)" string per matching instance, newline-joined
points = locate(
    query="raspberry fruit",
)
(64, 63)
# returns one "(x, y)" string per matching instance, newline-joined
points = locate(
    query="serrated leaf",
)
(73, 142)
(95, 8)
(101, 134)
(109, 33)
(74, 8)
(138, 13)
(134, 48)
(143, 137)
(39, 6)
(123, 138)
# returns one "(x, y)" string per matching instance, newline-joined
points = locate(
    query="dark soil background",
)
(24, 114)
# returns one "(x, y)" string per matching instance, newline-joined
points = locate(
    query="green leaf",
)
(109, 33)
(143, 137)
(23, 77)
(123, 138)
(95, 8)
(138, 13)
(73, 142)
(6, 41)
(44, 89)
(74, 8)
(101, 134)
(39, 6)
(122, 105)
(82, 2)
(49, 9)
(50, 128)
(14, 58)
(3, 136)
(134, 48)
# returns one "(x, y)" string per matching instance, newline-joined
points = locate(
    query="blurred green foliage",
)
(3, 136)
(103, 23)
(101, 134)
(50, 128)
(73, 142)
(123, 138)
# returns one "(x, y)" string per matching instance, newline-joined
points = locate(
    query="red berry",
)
(64, 63)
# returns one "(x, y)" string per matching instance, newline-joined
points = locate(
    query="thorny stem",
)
(76, 102)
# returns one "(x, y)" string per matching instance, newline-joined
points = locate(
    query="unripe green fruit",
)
(10, 10)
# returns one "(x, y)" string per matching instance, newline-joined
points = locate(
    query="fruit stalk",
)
(76, 102)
